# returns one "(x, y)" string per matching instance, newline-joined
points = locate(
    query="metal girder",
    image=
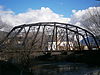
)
(49, 36)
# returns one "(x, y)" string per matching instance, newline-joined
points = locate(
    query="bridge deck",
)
(36, 51)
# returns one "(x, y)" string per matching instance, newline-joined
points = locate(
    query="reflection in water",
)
(65, 69)
(97, 72)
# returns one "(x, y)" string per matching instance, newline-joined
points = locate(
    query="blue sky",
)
(63, 7)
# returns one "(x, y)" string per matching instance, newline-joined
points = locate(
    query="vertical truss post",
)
(26, 36)
(56, 39)
(77, 37)
(53, 36)
(42, 39)
(25, 30)
(33, 41)
(17, 33)
(88, 40)
(67, 39)
(96, 42)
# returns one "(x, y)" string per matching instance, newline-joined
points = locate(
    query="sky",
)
(63, 7)
(17, 12)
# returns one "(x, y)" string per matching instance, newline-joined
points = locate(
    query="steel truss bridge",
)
(48, 37)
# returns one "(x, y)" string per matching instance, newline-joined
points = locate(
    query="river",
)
(65, 68)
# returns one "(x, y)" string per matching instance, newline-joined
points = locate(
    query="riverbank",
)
(87, 57)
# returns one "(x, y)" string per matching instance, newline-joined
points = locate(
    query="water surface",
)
(65, 69)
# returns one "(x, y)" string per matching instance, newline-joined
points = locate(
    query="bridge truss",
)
(27, 40)
(48, 36)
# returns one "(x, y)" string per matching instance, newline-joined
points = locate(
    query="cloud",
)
(1, 7)
(88, 19)
(73, 11)
(33, 16)
(3, 24)
(4, 10)
(80, 15)
(44, 14)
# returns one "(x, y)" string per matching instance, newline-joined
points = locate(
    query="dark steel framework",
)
(48, 36)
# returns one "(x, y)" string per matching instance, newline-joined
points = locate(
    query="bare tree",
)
(91, 20)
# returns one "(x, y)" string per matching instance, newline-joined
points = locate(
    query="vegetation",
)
(91, 20)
